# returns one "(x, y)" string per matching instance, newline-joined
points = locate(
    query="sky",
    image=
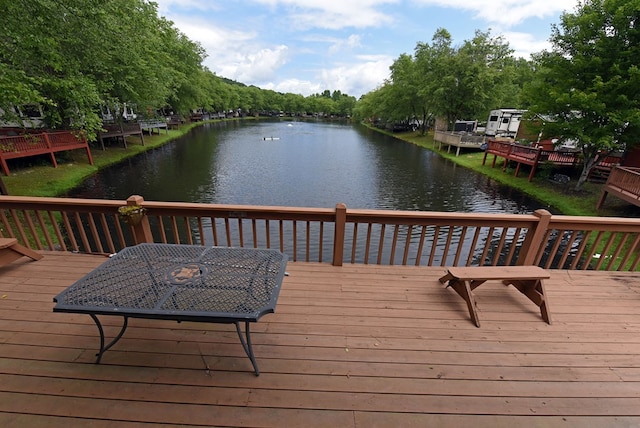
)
(307, 46)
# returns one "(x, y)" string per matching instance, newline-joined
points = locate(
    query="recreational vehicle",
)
(24, 116)
(504, 122)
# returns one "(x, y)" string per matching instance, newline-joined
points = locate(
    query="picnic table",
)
(180, 283)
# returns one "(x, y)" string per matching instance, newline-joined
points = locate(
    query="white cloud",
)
(235, 54)
(524, 44)
(165, 5)
(351, 42)
(333, 14)
(256, 67)
(506, 13)
(353, 79)
(357, 78)
(296, 86)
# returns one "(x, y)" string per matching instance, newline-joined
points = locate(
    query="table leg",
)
(103, 348)
(248, 348)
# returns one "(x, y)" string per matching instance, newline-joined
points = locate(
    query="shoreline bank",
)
(44, 180)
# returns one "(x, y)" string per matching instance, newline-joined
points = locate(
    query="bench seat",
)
(526, 279)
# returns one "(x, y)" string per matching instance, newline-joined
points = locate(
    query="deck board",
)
(351, 346)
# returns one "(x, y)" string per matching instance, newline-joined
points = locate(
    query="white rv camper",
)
(504, 122)
(25, 116)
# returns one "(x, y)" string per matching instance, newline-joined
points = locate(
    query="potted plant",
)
(132, 214)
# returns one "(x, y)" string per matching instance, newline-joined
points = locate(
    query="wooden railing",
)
(528, 155)
(151, 124)
(457, 140)
(624, 183)
(335, 235)
(120, 131)
(32, 144)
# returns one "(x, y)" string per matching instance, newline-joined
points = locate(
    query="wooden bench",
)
(10, 250)
(527, 279)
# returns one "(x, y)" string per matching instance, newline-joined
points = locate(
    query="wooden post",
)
(602, 198)
(534, 239)
(535, 163)
(45, 137)
(338, 237)
(141, 231)
(85, 143)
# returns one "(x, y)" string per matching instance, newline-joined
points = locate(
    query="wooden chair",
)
(10, 251)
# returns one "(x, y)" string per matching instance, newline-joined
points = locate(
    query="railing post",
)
(142, 230)
(45, 137)
(534, 239)
(338, 237)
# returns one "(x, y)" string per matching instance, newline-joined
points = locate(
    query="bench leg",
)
(446, 278)
(24, 251)
(463, 288)
(16, 251)
(534, 290)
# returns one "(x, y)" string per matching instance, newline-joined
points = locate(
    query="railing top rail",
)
(173, 208)
(389, 216)
(59, 204)
(628, 169)
(319, 214)
(588, 222)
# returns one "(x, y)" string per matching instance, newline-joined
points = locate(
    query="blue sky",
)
(307, 46)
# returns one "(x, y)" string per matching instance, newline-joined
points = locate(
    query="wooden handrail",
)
(527, 155)
(337, 234)
(25, 145)
(624, 183)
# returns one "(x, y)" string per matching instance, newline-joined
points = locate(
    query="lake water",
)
(304, 164)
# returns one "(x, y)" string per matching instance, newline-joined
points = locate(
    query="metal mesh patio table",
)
(181, 283)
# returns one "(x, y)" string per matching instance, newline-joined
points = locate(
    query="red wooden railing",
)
(336, 235)
(25, 145)
(527, 155)
(624, 183)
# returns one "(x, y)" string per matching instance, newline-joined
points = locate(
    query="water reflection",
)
(312, 164)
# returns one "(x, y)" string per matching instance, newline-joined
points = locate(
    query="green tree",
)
(74, 55)
(402, 101)
(588, 85)
(471, 79)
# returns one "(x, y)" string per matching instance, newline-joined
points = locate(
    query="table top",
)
(180, 282)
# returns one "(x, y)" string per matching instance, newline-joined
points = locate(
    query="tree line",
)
(76, 57)
(585, 90)
(451, 82)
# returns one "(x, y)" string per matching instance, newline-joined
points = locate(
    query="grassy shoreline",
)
(44, 180)
(562, 197)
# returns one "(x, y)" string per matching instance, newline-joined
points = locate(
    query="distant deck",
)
(351, 346)
(33, 144)
(150, 124)
(528, 155)
(623, 183)
(120, 131)
(458, 140)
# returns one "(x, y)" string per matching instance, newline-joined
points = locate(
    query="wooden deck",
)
(120, 132)
(528, 155)
(350, 346)
(33, 144)
(623, 183)
(457, 140)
